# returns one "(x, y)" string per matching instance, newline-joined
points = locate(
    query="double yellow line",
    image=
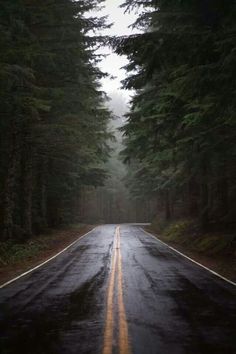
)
(116, 269)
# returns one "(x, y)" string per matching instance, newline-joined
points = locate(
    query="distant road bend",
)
(118, 291)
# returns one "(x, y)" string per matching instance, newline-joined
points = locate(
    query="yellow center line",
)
(108, 335)
(124, 346)
(123, 326)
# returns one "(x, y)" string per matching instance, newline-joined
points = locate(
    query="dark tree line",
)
(181, 131)
(53, 126)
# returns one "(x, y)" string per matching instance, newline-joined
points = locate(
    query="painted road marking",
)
(116, 273)
(108, 335)
(123, 325)
(190, 259)
(48, 260)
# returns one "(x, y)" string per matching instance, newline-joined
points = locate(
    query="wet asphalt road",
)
(172, 306)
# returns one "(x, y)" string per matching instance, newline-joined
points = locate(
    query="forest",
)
(61, 147)
(180, 132)
(117, 176)
(54, 119)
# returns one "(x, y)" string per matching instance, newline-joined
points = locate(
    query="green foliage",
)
(53, 123)
(181, 131)
(12, 252)
(187, 234)
(177, 230)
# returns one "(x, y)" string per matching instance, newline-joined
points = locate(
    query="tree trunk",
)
(192, 198)
(204, 207)
(167, 205)
(223, 193)
(10, 184)
(27, 191)
(43, 194)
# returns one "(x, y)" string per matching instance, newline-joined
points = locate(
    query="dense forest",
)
(113, 202)
(181, 130)
(54, 121)
(59, 161)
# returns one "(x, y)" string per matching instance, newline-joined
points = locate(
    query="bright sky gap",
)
(112, 63)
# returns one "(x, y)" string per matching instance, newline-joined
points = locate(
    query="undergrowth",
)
(12, 252)
(187, 233)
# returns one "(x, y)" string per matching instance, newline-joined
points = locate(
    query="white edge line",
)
(48, 260)
(192, 260)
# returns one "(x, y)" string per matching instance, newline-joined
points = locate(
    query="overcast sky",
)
(113, 63)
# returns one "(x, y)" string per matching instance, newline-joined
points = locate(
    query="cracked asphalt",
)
(171, 305)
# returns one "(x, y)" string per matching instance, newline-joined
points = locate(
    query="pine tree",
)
(181, 127)
(54, 121)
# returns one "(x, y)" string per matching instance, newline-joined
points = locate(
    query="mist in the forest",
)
(113, 203)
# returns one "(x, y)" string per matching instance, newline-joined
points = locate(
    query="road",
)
(118, 291)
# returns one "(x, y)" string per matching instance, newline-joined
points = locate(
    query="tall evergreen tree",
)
(181, 127)
(53, 119)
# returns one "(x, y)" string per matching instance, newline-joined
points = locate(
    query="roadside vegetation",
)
(16, 258)
(180, 132)
(54, 120)
(187, 233)
(216, 250)
(57, 166)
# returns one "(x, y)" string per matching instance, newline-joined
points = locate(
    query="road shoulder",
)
(18, 259)
(220, 264)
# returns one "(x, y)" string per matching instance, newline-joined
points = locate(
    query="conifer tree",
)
(53, 119)
(181, 127)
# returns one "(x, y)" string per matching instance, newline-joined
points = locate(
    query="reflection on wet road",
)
(118, 290)
(122, 333)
